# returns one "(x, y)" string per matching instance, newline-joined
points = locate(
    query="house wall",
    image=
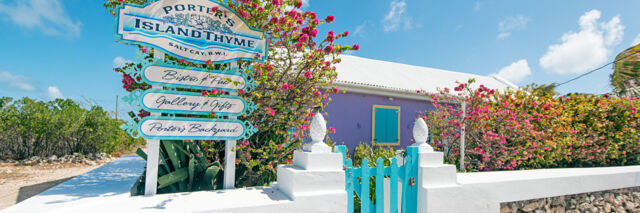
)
(351, 114)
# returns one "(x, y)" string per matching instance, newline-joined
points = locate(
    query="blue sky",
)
(67, 48)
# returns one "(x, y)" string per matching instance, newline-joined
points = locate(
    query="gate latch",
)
(412, 181)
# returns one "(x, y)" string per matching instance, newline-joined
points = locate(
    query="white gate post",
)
(153, 151)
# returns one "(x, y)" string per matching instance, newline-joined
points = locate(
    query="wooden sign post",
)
(196, 31)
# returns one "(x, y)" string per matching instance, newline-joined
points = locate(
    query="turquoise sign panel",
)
(163, 74)
(179, 102)
(190, 29)
(177, 128)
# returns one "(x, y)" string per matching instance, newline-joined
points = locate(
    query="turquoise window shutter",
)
(385, 128)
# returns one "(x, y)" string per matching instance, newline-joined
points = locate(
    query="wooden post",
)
(229, 179)
(462, 135)
(153, 152)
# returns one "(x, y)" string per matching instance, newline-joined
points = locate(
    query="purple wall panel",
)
(351, 115)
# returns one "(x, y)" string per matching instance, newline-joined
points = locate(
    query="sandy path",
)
(18, 183)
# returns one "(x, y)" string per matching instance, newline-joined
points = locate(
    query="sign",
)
(178, 102)
(189, 29)
(162, 74)
(174, 128)
(193, 78)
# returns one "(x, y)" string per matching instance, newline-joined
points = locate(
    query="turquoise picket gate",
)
(357, 181)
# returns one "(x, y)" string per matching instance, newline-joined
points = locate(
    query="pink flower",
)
(143, 50)
(214, 9)
(328, 49)
(311, 114)
(330, 36)
(345, 34)
(285, 86)
(330, 18)
(313, 32)
(288, 161)
(303, 38)
(332, 129)
(291, 86)
(356, 47)
(308, 74)
(270, 111)
(183, 60)
(336, 90)
(241, 91)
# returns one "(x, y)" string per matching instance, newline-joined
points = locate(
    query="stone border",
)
(617, 200)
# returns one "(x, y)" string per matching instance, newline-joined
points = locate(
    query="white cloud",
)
(516, 71)
(458, 27)
(511, 23)
(397, 17)
(54, 93)
(305, 3)
(46, 15)
(359, 30)
(119, 62)
(636, 41)
(16, 81)
(586, 49)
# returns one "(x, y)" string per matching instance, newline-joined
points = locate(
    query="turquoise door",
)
(386, 123)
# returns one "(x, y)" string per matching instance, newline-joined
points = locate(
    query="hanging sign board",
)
(178, 102)
(189, 29)
(194, 78)
(167, 75)
(174, 128)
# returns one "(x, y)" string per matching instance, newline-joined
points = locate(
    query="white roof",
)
(360, 72)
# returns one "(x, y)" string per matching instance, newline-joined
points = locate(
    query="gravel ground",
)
(18, 183)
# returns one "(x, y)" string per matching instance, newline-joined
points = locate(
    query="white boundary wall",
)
(442, 191)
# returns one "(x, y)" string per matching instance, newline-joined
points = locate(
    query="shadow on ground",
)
(32, 190)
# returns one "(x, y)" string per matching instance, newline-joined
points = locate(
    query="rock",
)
(505, 209)
(620, 209)
(557, 210)
(630, 205)
(636, 195)
(559, 201)
(90, 156)
(530, 207)
(52, 158)
(91, 163)
(609, 197)
(540, 211)
(584, 206)
(75, 154)
(607, 207)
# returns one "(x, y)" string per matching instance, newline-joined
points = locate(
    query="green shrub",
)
(371, 153)
(36, 128)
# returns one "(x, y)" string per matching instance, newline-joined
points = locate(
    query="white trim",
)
(374, 90)
(504, 81)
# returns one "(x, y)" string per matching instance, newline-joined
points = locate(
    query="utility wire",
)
(587, 73)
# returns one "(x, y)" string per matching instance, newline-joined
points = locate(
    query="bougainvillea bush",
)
(292, 82)
(530, 128)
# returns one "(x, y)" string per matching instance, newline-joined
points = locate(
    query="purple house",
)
(381, 100)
